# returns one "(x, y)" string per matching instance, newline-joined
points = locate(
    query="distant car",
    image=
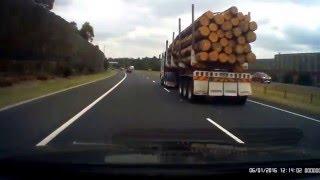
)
(261, 77)
(130, 69)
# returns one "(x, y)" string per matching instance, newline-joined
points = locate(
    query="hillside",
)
(31, 33)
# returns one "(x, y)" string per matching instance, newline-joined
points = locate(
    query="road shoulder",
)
(30, 91)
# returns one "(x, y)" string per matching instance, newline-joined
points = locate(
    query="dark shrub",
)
(27, 77)
(5, 82)
(8, 81)
(305, 79)
(106, 64)
(67, 71)
(42, 77)
(288, 78)
(275, 78)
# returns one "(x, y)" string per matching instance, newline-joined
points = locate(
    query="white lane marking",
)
(225, 131)
(293, 113)
(166, 89)
(50, 94)
(153, 81)
(147, 77)
(51, 136)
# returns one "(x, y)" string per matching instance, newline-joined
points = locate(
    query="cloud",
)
(139, 28)
(62, 2)
(306, 37)
(274, 43)
(295, 40)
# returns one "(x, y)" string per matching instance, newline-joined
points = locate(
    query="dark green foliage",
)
(288, 78)
(106, 64)
(305, 79)
(139, 64)
(30, 32)
(87, 32)
(48, 3)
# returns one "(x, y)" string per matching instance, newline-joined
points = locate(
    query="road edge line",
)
(50, 94)
(283, 110)
(56, 132)
(238, 140)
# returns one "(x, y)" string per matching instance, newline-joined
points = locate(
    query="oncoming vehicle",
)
(130, 69)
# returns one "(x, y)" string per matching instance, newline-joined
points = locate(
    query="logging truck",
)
(209, 58)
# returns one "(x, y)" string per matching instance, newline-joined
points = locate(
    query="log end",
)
(213, 56)
(202, 56)
(223, 57)
(253, 26)
(251, 57)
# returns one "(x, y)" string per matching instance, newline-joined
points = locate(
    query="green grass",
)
(300, 97)
(31, 89)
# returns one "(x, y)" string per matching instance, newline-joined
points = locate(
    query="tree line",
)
(146, 63)
(30, 32)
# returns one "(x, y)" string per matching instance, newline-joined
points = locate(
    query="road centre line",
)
(279, 109)
(225, 131)
(51, 136)
(166, 89)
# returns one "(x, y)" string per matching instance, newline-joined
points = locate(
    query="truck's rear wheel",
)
(241, 100)
(185, 89)
(190, 95)
(181, 87)
(161, 82)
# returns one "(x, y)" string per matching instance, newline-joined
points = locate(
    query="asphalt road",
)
(138, 107)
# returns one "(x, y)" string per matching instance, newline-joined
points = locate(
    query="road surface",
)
(135, 105)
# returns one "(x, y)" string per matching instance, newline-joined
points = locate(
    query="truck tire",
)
(161, 82)
(181, 87)
(190, 94)
(185, 89)
(241, 100)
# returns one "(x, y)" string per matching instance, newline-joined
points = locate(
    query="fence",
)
(294, 93)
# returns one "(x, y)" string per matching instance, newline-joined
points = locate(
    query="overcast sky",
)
(139, 28)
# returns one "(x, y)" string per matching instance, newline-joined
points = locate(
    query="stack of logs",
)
(218, 37)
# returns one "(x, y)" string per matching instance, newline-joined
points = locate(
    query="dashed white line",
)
(51, 136)
(153, 81)
(225, 131)
(166, 89)
(147, 77)
(279, 109)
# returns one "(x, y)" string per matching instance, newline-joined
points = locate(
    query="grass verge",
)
(32, 89)
(302, 98)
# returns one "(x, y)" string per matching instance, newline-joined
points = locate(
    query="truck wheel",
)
(190, 95)
(181, 87)
(242, 100)
(185, 89)
(161, 82)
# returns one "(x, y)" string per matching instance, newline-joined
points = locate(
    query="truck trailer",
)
(215, 79)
